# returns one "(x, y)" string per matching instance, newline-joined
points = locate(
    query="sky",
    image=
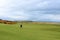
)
(35, 10)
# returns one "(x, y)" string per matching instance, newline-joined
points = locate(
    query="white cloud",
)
(30, 9)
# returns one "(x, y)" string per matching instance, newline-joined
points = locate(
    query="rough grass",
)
(30, 32)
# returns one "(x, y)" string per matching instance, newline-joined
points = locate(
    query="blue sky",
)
(36, 10)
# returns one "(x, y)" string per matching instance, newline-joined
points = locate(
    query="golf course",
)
(30, 32)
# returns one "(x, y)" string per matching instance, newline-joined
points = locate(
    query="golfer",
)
(21, 26)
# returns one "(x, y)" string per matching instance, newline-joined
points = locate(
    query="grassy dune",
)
(30, 32)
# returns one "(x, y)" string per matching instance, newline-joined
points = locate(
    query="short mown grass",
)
(30, 32)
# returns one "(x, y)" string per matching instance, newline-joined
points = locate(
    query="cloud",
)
(37, 10)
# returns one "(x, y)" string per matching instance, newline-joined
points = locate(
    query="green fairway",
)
(30, 32)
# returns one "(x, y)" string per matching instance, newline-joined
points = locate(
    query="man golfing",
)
(21, 26)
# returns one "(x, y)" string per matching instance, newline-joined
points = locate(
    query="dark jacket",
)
(21, 26)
